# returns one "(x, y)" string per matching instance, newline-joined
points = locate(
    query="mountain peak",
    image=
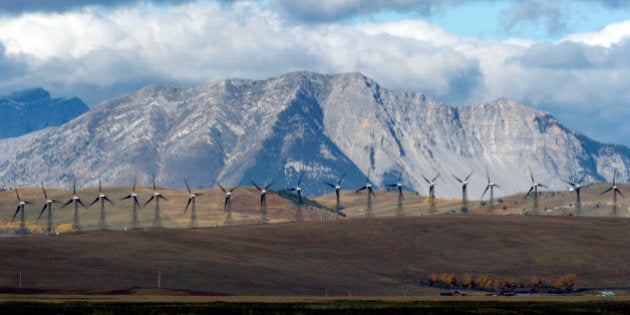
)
(29, 95)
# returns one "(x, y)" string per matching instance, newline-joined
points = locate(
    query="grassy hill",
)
(381, 256)
(245, 206)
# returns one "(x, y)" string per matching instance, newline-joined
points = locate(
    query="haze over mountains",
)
(236, 130)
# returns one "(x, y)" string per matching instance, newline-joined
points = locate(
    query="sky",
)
(570, 58)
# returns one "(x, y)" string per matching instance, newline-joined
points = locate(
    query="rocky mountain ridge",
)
(322, 126)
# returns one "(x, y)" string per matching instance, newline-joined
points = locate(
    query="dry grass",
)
(383, 256)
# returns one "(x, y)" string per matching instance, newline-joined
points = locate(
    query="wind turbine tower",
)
(102, 221)
(298, 191)
(263, 201)
(47, 206)
(432, 208)
(20, 210)
(399, 187)
(464, 183)
(337, 188)
(193, 209)
(369, 211)
(577, 186)
(615, 190)
(491, 185)
(227, 206)
(157, 220)
(76, 201)
(533, 190)
(135, 205)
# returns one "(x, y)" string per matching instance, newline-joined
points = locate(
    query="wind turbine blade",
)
(570, 183)
(291, 189)
(187, 204)
(582, 178)
(341, 179)
(125, 197)
(360, 189)
(425, 179)
(300, 196)
(531, 176)
(133, 188)
(485, 191)
(67, 203)
(607, 190)
(162, 197)
(74, 186)
(543, 185)
(529, 192)
(468, 177)
(400, 175)
(269, 185)
(149, 200)
(187, 187)
(257, 187)
(300, 179)
(15, 214)
(233, 189)
(108, 200)
(154, 186)
(371, 192)
(227, 200)
(392, 185)
(330, 184)
(457, 178)
(17, 195)
(100, 187)
(497, 186)
(436, 177)
(42, 212)
(81, 203)
(44, 190)
(135, 200)
(619, 191)
(95, 201)
(488, 174)
(222, 189)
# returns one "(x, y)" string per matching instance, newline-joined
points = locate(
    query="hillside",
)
(383, 256)
(313, 125)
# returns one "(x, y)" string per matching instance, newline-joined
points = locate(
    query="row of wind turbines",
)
(156, 196)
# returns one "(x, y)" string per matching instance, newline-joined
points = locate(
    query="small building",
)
(607, 293)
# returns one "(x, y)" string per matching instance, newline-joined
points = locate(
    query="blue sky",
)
(565, 57)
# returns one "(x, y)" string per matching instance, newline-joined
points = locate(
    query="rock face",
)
(31, 110)
(322, 126)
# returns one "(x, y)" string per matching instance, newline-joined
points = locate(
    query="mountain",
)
(323, 126)
(34, 109)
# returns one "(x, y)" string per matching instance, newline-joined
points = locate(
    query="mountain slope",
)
(34, 109)
(323, 126)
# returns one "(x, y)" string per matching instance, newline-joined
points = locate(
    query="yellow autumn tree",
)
(567, 282)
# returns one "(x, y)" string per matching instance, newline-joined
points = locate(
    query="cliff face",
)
(34, 109)
(323, 126)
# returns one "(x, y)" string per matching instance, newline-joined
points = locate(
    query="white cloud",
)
(98, 54)
(609, 35)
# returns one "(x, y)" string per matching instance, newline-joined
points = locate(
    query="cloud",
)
(21, 6)
(99, 54)
(337, 10)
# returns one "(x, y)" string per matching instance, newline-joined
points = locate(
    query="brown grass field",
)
(382, 256)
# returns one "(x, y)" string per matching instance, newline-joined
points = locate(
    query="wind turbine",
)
(20, 210)
(615, 190)
(337, 188)
(399, 186)
(135, 205)
(298, 191)
(227, 206)
(263, 201)
(577, 186)
(76, 201)
(193, 209)
(490, 187)
(157, 220)
(533, 190)
(369, 212)
(464, 183)
(432, 183)
(102, 221)
(47, 206)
